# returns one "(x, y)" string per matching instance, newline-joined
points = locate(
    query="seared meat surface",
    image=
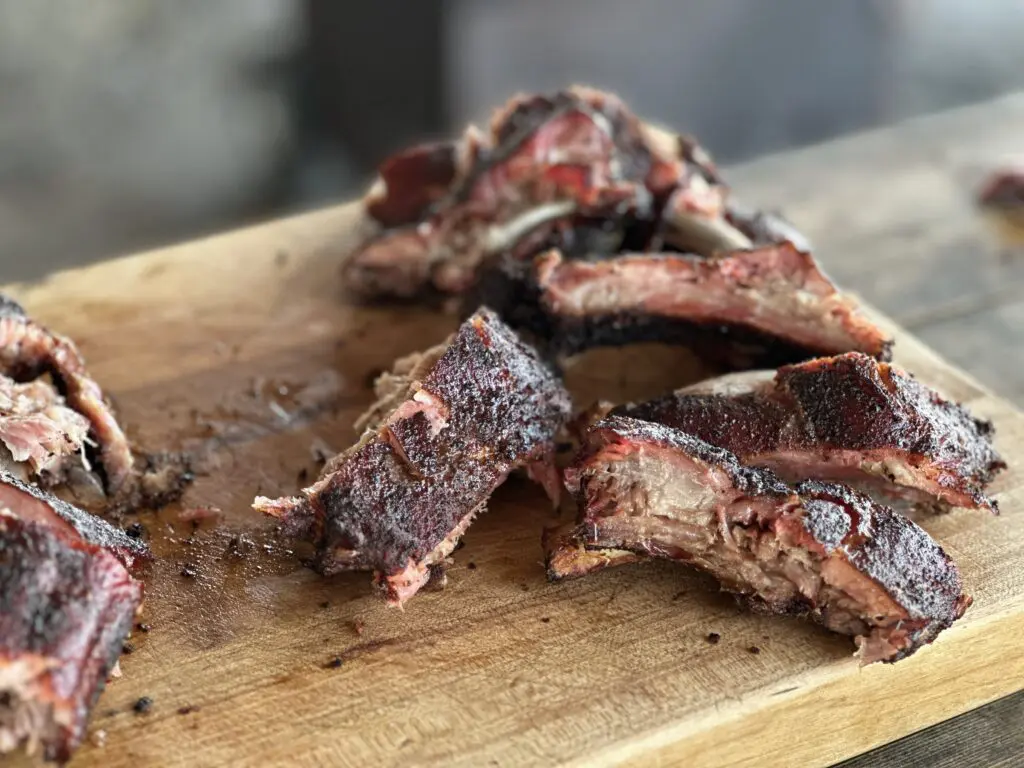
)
(824, 550)
(28, 350)
(765, 306)
(434, 450)
(574, 170)
(849, 419)
(67, 603)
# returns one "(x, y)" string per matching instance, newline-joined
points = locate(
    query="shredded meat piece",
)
(27, 350)
(822, 549)
(766, 306)
(67, 604)
(574, 170)
(39, 432)
(432, 453)
(849, 419)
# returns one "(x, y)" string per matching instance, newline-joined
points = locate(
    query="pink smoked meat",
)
(452, 423)
(823, 550)
(574, 170)
(847, 419)
(766, 306)
(67, 604)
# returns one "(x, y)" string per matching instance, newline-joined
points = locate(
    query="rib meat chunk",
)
(856, 567)
(28, 350)
(574, 170)
(398, 501)
(67, 603)
(749, 308)
(848, 419)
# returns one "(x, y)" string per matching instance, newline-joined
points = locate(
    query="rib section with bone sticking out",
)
(28, 350)
(759, 307)
(433, 451)
(575, 170)
(824, 550)
(848, 419)
(67, 604)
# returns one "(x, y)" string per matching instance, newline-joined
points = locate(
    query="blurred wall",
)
(131, 123)
(126, 123)
(745, 76)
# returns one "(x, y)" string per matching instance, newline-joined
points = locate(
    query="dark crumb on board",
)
(713, 638)
(127, 648)
(459, 545)
(678, 596)
(281, 258)
(334, 663)
(325, 604)
(188, 572)
(240, 545)
(545, 619)
(188, 709)
(371, 377)
(358, 626)
(143, 627)
(143, 705)
(111, 712)
(754, 649)
(303, 476)
(471, 565)
(136, 530)
(524, 587)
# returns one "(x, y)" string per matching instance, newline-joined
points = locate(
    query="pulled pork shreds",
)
(766, 306)
(67, 604)
(432, 453)
(847, 419)
(574, 170)
(28, 350)
(38, 430)
(824, 550)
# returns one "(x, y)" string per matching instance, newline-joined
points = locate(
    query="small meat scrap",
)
(765, 306)
(28, 350)
(574, 170)
(67, 604)
(823, 550)
(450, 426)
(846, 419)
(1001, 200)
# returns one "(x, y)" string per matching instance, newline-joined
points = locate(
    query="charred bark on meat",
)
(754, 308)
(848, 419)
(433, 451)
(67, 604)
(823, 550)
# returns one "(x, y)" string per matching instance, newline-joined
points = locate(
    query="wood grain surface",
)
(241, 350)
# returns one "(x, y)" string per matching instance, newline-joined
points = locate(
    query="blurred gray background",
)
(127, 124)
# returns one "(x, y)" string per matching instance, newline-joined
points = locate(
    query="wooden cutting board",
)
(242, 350)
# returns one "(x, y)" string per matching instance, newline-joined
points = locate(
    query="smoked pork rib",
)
(67, 603)
(854, 566)
(848, 419)
(28, 350)
(759, 307)
(574, 170)
(434, 450)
